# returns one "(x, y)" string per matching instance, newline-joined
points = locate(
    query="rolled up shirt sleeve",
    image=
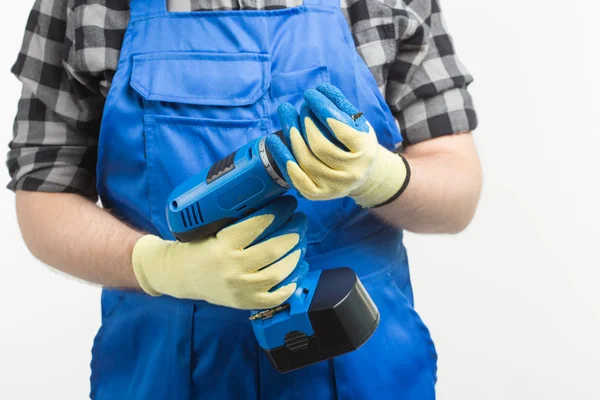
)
(55, 135)
(427, 83)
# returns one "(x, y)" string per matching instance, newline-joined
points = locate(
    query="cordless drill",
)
(329, 314)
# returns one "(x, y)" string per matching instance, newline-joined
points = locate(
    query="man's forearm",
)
(75, 236)
(444, 188)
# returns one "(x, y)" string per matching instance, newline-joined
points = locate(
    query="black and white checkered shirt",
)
(71, 50)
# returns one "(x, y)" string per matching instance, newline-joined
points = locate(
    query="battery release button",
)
(296, 341)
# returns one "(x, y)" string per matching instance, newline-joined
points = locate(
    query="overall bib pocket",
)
(202, 84)
(198, 108)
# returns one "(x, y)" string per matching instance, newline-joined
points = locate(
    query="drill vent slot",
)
(183, 220)
(189, 216)
(199, 212)
(192, 216)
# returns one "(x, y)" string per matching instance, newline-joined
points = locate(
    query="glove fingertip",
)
(302, 229)
(295, 278)
(288, 118)
(286, 112)
(336, 96)
(327, 87)
(296, 225)
(312, 95)
(282, 293)
(317, 102)
(281, 155)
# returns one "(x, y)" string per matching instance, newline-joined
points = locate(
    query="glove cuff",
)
(387, 180)
(144, 249)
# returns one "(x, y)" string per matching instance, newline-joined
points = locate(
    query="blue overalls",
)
(191, 88)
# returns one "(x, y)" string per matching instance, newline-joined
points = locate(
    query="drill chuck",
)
(270, 166)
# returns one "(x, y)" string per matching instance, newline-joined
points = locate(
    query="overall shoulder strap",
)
(141, 7)
(324, 3)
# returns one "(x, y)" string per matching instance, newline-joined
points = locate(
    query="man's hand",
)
(75, 236)
(337, 156)
(337, 152)
(237, 267)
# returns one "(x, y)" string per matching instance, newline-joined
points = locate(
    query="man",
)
(128, 99)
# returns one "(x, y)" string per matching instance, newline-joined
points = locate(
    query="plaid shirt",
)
(71, 50)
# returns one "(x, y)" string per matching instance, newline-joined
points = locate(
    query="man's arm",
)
(231, 268)
(444, 187)
(75, 236)
(427, 92)
(53, 151)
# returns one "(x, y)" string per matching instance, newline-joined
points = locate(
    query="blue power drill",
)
(329, 314)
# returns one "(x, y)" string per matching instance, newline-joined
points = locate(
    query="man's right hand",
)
(237, 267)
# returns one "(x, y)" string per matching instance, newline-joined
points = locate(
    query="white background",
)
(513, 303)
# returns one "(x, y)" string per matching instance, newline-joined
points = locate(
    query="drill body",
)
(329, 314)
(230, 189)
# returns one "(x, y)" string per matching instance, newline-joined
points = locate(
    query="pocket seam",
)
(149, 123)
(158, 119)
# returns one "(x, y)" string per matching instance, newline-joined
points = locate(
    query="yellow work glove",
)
(337, 152)
(237, 267)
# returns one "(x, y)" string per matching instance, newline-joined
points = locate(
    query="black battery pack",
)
(343, 318)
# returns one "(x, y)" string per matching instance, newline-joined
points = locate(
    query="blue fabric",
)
(174, 108)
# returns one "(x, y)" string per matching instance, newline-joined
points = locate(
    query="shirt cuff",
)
(444, 114)
(54, 170)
